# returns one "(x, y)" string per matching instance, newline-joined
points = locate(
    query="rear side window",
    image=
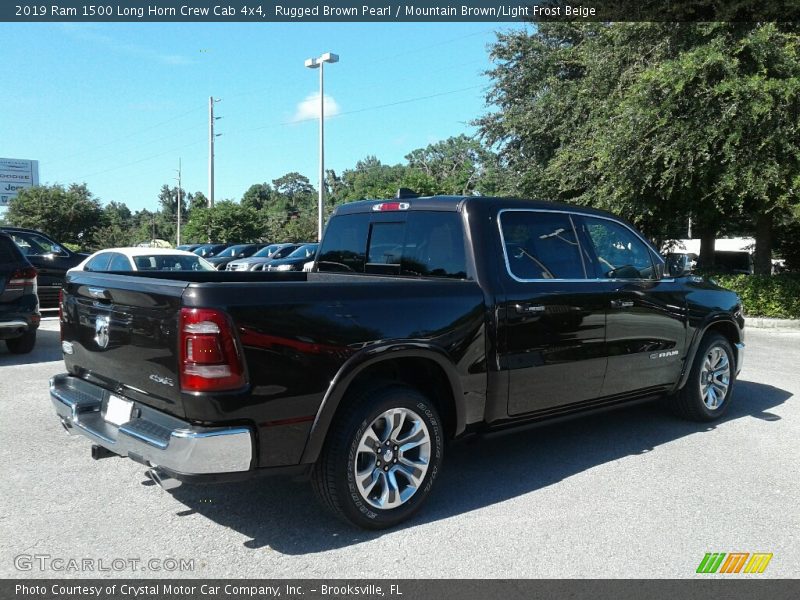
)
(541, 245)
(421, 244)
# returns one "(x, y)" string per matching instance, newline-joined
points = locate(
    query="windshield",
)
(171, 262)
(284, 252)
(232, 251)
(266, 251)
(304, 251)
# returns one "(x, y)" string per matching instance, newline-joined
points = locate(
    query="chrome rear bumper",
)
(150, 436)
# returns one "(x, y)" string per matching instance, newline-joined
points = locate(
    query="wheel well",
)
(422, 374)
(726, 329)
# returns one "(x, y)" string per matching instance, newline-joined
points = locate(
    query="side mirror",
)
(679, 265)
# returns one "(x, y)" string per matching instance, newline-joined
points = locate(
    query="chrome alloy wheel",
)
(392, 458)
(715, 377)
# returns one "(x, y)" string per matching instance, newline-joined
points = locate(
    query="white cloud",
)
(309, 108)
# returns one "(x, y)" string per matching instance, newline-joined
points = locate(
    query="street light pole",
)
(314, 63)
(178, 236)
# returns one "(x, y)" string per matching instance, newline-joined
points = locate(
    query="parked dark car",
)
(189, 247)
(294, 261)
(424, 320)
(267, 254)
(52, 260)
(210, 250)
(19, 305)
(221, 259)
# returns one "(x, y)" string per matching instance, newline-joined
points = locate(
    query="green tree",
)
(457, 165)
(227, 221)
(257, 196)
(656, 121)
(68, 215)
(117, 227)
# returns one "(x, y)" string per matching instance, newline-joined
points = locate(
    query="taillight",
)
(210, 359)
(23, 279)
(60, 304)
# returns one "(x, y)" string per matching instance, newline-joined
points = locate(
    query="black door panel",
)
(646, 335)
(554, 349)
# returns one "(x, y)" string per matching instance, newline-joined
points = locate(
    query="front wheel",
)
(381, 458)
(707, 393)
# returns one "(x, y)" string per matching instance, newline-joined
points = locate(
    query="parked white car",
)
(143, 259)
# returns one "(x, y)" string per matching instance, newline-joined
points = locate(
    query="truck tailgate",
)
(121, 332)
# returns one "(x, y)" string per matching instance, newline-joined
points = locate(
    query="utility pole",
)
(211, 136)
(178, 236)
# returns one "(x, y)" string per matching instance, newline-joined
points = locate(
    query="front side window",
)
(541, 245)
(620, 253)
(119, 262)
(99, 262)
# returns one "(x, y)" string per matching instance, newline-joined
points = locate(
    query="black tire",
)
(689, 402)
(333, 476)
(23, 344)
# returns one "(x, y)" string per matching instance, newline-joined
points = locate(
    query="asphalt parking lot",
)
(632, 493)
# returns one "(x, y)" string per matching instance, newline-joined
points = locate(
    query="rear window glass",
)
(541, 245)
(427, 244)
(8, 251)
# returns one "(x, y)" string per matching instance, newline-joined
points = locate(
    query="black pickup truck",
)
(424, 319)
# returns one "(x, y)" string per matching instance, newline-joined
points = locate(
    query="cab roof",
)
(457, 203)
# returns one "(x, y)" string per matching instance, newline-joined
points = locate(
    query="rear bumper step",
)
(150, 436)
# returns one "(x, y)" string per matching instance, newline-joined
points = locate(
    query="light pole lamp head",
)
(312, 63)
(329, 57)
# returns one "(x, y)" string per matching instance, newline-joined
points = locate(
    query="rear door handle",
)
(622, 304)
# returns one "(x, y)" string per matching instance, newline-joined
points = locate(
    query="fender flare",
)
(699, 333)
(364, 360)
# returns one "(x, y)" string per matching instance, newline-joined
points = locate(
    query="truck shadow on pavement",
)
(283, 515)
(47, 349)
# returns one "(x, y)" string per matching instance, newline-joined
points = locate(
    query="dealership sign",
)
(16, 174)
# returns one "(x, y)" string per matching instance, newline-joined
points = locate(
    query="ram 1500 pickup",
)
(423, 320)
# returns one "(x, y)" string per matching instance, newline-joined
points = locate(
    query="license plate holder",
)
(118, 410)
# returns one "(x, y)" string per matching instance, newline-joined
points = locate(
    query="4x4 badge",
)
(101, 331)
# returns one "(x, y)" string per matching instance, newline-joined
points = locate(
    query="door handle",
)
(528, 309)
(622, 304)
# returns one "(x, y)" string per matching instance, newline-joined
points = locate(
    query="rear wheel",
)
(381, 458)
(23, 344)
(707, 393)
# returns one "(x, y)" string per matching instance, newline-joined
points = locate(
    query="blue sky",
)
(116, 105)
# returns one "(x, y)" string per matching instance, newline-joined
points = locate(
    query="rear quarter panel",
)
(297, 336)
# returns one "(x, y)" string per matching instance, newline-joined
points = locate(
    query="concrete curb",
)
(765, 323)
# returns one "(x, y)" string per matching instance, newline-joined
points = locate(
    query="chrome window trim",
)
(570, 214)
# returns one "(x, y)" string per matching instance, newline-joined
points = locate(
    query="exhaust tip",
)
(164, 481)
